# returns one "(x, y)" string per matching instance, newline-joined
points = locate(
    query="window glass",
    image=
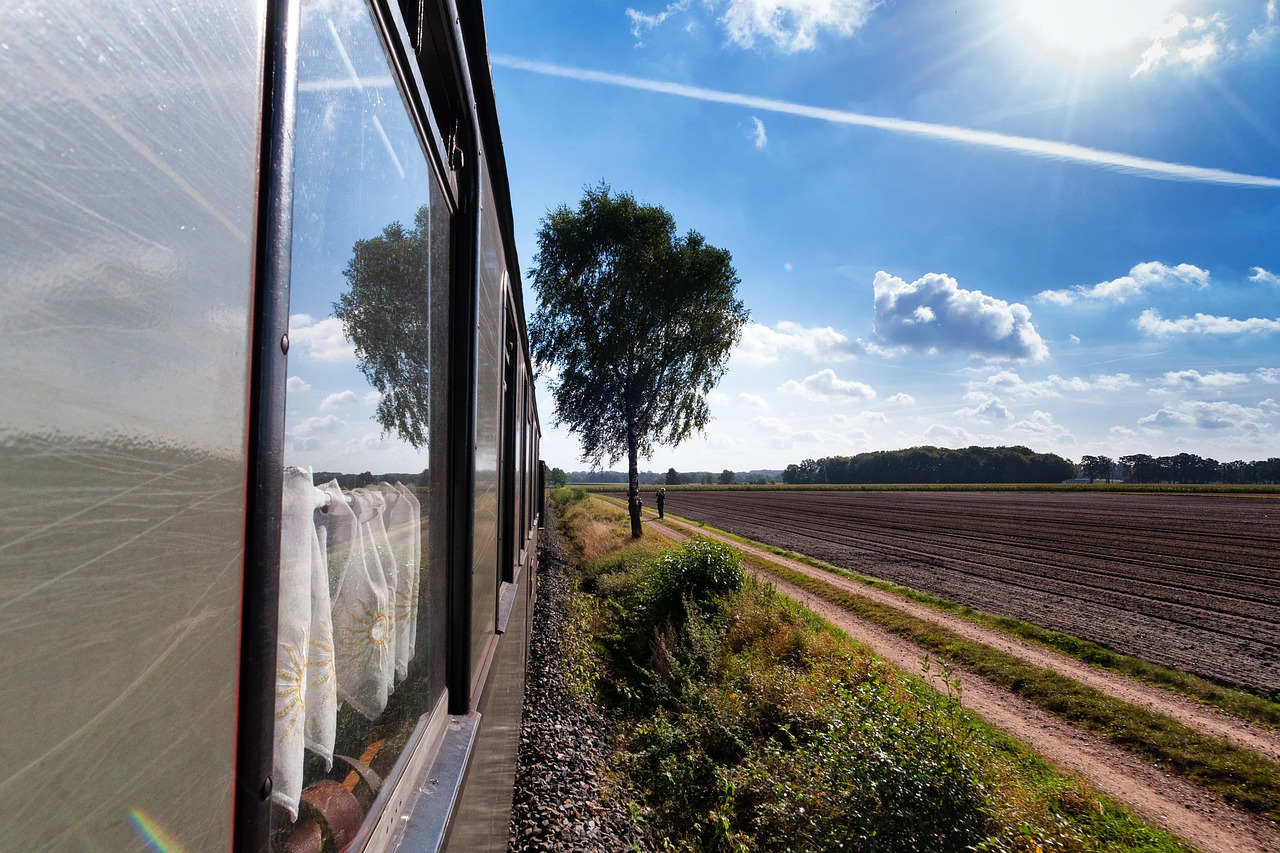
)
(356, 662)
(489, 394)
(129, 134)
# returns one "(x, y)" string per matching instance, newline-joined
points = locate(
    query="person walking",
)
(662, 498)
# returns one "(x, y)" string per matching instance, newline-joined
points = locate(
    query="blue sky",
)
(1051, 223)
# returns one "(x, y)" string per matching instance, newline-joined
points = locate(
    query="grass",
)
(749, 724)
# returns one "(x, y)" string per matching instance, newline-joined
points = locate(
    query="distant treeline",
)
(673, 477)
(1182, 468)
(359, 481)
(935, 465)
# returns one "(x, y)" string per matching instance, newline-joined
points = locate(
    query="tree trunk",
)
(633, 482)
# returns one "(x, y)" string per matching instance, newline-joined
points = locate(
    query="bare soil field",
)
(1189, 581)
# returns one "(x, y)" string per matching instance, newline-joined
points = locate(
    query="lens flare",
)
(154, 833)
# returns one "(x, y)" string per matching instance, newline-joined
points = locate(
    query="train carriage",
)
(268, 437)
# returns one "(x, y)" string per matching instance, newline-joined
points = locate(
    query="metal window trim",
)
(267, 379)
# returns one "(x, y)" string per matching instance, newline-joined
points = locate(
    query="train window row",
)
(269, 446)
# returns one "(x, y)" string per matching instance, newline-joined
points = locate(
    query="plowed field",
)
(1192, 582)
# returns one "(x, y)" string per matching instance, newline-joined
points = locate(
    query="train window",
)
(490, 373)
(359, 654)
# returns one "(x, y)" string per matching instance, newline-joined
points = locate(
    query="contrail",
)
(1061, 151)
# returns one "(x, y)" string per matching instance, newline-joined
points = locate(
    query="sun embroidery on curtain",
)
(291, 703)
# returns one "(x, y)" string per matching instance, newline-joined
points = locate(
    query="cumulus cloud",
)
(753, 401)
(985, 411)
(792, 25)
(761, 344)
(323, 341)
(1193, 42)
(934, 314)
(311, 426)
(1204, 324)
(943, 435)
(1140, 279)
(1040, 425)
(1200, 414)
(759, 139)
(1262, 276)
(342, 398)
(902, 398)
(824, 386)
(1193, 380)
(297, 385)
(1011, 384)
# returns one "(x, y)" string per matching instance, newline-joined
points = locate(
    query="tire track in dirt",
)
(1160, 798)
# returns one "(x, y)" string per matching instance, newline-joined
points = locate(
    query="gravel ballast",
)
(565, 744)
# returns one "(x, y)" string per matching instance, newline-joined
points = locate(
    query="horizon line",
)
(1026, 145)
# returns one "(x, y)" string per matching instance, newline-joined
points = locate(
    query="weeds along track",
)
(1192, 582)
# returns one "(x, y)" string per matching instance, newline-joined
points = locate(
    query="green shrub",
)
(698, 569)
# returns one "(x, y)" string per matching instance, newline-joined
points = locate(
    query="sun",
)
(1089, 28)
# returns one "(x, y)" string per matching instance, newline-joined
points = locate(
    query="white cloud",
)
(1204, 415)
(790, 25)
(642, 23)
(370, 441)
(1042, 426)
(777, 432)
(793, 25)
(758, 137)
(297, 385)
(753, 401)
(1193, 42)
(371, 397)
(1262, 276)
(1140, 279)
(1073, 339)
(985, 411)
(1269, 405)
(1193, 380)
(934, 314)
(1269, 375)
(943, 435)
(862, 417)
(323, 341)
(902, 398)
(824, 386)
(342, 398)
(1013, 385)
(1204, 324)
(1259, 36)
(311, 426)
(761, 344)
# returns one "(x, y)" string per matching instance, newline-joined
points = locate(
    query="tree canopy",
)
(637, 321)
(385, 314)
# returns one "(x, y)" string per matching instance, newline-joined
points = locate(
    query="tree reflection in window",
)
(386, 315)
